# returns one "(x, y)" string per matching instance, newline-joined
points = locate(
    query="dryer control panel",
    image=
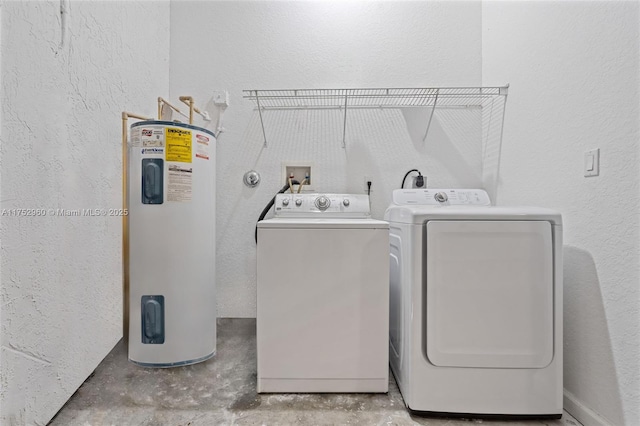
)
(321, 205)
(441, 197)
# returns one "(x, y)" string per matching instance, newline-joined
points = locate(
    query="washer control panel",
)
(441, 197)
(337, 205)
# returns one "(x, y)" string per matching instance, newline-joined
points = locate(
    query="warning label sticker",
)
(178, 145)
(153, 137)
(202, 147)
(135, 137)
(179, 183)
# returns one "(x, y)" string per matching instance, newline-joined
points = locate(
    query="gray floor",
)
(222, 391)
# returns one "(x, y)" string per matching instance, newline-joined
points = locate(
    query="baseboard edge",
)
(582, 413)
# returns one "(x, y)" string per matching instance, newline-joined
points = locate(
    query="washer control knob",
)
(441, 197)
(322, 202)
(298, 202)
(346, 202)
(285, 202)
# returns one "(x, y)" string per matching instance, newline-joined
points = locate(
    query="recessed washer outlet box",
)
(300, 170)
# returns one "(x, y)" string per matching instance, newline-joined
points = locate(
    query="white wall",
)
(573, 69)
(64, 83)
(574, 74)
(281, 45)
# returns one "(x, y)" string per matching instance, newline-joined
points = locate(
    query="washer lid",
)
(323, 223)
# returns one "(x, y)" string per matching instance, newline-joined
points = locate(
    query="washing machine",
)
(475, 305)
(322, 296)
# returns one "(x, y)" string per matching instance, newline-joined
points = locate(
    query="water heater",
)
(172, 302)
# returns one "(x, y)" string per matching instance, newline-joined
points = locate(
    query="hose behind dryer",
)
(271, 203)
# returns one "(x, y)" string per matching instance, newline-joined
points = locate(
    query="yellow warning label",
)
(178, 143)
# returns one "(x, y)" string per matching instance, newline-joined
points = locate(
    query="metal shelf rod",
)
(367, 107)
(261, 120)
(435, 101)
(364, 89)
(344, 126)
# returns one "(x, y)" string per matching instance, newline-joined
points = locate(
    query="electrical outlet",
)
(300, 171)
(221, 98)
(366, 186)
(418, 182)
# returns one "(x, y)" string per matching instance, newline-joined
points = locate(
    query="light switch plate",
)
(592, 163)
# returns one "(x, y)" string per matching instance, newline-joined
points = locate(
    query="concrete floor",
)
(222, 391)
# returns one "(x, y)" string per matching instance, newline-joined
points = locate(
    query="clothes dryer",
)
(475, 305)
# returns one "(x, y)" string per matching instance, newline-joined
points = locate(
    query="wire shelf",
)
(427, 97)
(460, 97)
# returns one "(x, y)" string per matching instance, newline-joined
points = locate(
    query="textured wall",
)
(574, 74)
(280, 45)
(65, 80)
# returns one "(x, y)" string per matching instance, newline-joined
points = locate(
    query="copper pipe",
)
(126, 115)
(188, 100)
(162, 101)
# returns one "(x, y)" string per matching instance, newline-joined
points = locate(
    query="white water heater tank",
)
(172, 301)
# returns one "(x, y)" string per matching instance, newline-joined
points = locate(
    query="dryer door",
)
(489, 293)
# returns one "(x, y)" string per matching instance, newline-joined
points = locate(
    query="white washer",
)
(323, 296)
(476, 305)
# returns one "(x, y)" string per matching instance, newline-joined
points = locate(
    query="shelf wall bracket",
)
(264, 135)
(435, 102)
(344, 126)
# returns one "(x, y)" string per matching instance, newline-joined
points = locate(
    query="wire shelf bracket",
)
(323, 99)
(433, 109)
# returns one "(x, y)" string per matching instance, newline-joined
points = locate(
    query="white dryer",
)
(323, 296)
(475, 305)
